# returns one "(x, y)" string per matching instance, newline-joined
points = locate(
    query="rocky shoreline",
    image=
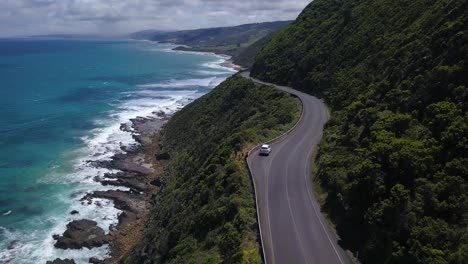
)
(138, 171)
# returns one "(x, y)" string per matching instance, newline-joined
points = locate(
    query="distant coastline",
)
(229, 63)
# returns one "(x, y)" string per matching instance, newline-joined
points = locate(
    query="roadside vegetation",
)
(394, 159)
(205, 211)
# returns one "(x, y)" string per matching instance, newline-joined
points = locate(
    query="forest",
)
(205, 211)
(394, 159)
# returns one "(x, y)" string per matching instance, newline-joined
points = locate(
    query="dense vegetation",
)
(394, 158)
(205, 211)
(232, 41)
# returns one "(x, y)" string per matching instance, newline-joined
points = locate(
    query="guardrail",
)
(250, 170)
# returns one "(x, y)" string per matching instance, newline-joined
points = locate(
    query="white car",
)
(265, 150)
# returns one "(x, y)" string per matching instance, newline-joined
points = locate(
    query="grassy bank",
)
(205, 211)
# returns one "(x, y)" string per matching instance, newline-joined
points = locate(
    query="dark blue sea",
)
(61, 104)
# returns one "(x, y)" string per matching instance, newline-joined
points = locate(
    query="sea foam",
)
(102, 143)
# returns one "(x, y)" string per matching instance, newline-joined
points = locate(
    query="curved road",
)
(293, 229)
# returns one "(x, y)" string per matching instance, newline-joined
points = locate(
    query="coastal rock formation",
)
(136, 168)
(81, 233)
(132, 183)
(128, 166)
(95, 261)
(61, 261)
(126, 201)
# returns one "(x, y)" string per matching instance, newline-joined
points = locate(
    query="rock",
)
(147, 125)
(133, 184)
(119, 162)
(141, 139)
(12, 244)
(74, 212)
(125, 128)
(107, 164)
(126, 201)
(160, 114)
(127, 166)
(81, 233)
(61, 261)
(95, 260)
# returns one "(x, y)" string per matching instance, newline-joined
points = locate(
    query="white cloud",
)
(109, 17)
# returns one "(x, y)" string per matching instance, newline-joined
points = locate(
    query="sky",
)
(116, 17)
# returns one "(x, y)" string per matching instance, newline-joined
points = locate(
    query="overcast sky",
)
(113, 17)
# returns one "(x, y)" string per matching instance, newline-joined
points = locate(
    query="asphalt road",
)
(293, 229)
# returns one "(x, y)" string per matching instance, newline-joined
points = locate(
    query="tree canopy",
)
(394, 159)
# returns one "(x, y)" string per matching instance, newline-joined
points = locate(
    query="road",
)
(293, 229)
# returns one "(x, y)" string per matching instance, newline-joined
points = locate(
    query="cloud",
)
(113, 17)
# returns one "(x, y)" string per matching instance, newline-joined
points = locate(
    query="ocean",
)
(61, 104)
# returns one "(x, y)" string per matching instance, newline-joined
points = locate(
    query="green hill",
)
(232, 41)
(394, 160)
(246, 57)
(205, 211)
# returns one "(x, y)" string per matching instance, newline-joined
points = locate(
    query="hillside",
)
(224, 40)
(393, 163)
(205, 211)
(246, 57)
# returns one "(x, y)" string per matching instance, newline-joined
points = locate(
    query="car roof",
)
(265, 146)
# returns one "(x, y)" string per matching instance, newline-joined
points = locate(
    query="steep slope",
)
(394, 159)
(205, 211)
(246, 56)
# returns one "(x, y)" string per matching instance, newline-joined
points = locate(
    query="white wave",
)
(7, 213)
(25, 248)
(209, 82)
(101, 144)
(218, 64)
(210, 73)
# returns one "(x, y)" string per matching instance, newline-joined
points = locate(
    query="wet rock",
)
(95, 260)
(107, 164)
(74, 212)
(76, 194)
(81, 233)
(133, 184)
(147, 125)
(13, 244)
(126, 128)
(160, 114)
(128, 166)
(124, 175)
(126, 201)
(141, 139)
(61, 261)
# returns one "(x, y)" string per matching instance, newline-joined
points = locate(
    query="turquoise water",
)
(61, 104)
